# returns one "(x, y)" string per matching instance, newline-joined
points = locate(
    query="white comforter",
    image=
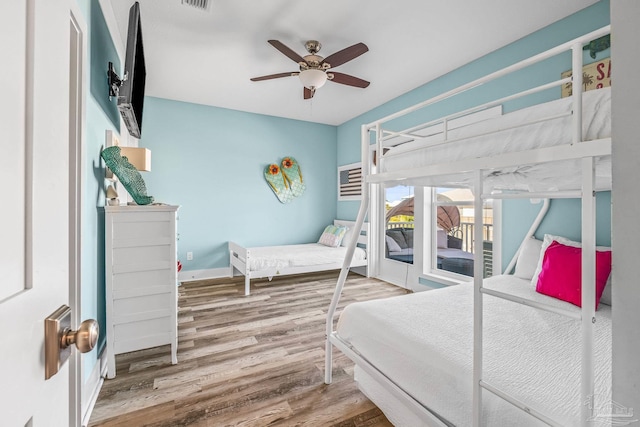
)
(424, 342)
(278, 257)
(596, 124)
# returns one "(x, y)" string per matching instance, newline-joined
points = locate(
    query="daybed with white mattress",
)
(453, 356)
(271, 261)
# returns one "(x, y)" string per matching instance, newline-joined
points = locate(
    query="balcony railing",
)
(464, 232)
(406, 224)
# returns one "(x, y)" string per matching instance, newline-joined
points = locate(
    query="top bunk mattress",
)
(304, 255)
(493, 141)
(424, 343)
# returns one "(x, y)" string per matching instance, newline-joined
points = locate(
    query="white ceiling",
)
(208, 57)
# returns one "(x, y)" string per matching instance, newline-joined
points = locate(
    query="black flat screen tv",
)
(131, 93)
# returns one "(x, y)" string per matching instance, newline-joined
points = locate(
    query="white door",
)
(34, 171)
(400, 259)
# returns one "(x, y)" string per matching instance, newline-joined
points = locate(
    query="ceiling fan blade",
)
(274, 76)
(348, 80)
(308, 93)
(346, 54)
(287, 51)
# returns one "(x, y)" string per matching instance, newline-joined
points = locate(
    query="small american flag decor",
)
(350, 182)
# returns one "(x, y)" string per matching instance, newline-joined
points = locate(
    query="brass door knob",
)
(84, 338)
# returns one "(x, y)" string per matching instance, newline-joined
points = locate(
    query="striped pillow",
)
(332, 236)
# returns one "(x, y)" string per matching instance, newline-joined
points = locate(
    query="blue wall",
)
(563, 219)
(102, 51)
(588, 19)
(211, 161)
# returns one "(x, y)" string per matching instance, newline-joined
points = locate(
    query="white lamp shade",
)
(313, 79)
(140, 158)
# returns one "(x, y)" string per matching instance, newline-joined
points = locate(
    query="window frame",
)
(431, 271)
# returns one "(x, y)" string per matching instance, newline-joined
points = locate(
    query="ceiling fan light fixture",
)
(313, 79)
(314, 69)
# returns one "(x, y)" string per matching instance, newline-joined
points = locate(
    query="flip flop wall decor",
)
(285, 179)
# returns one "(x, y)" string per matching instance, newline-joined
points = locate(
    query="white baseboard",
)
(360, 270)
(219, 273)
(91, 388)
(212, 273)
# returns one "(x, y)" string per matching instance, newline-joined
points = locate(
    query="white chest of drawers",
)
(141, 279)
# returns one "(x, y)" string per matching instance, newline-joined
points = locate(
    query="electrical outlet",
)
(189, 256)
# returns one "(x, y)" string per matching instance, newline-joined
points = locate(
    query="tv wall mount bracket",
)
(114, 81)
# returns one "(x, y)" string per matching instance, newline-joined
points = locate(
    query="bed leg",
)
(247, 288)
(328, 362)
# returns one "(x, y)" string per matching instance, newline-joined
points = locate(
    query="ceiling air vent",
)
(198, 4)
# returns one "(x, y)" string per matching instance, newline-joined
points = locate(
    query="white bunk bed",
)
(554, 150)
(271, 261)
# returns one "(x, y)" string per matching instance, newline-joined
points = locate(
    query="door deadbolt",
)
(58, 338)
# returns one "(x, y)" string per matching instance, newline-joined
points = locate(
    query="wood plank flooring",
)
(245, 361)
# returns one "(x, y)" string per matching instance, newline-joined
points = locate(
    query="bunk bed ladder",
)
(362, 212)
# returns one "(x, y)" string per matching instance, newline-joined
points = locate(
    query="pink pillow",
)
(561, 273)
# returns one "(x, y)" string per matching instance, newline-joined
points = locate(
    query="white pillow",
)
(528, 259)
(550, 238)
(392, 245)
(347, 237)
(442, 239)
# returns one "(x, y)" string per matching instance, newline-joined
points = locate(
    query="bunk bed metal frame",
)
(586, 151)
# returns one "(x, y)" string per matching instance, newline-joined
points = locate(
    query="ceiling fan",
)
(314, 69)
